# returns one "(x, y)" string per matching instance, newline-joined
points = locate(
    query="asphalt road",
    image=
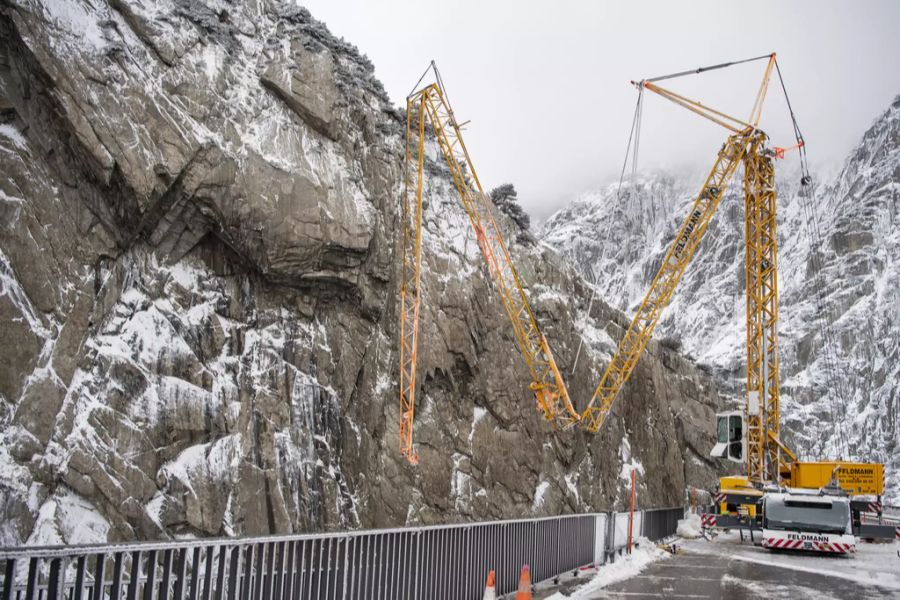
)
(717, 571)
(703, 576)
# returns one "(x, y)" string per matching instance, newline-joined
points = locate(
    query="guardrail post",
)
(115, 590)
(31, 584)
(534, 562)
(259, 570)
(78, 590)
(233, 570)
(151, 575)
(9, 578)
(611, 536)
(180, 575)
(247, 572)
(99, 577)
(57, 582)
(135, 580)
(166, 574)
(558, 544)
(220, 575)
(631, 512)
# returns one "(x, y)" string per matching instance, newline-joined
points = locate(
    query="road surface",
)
(728, 569)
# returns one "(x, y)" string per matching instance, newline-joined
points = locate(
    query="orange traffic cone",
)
(490, 589)
(524, 591)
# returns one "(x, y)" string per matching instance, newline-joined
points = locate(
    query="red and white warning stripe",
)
(898, 532)
(720, 498)
(786, 544)
(782, 544)
(708, 521)
(837, 547)
(875, 507)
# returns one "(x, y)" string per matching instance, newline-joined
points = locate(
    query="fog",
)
(546, 85)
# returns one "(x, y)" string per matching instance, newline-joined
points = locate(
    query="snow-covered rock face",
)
(838, 400)
(198, 299)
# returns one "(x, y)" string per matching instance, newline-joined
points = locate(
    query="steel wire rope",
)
(829, 350)
(635, 128)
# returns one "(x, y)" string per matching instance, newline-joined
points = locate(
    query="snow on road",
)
(726, 567)
(624, 568)
(873, 564)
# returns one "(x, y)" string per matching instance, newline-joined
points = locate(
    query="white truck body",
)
(801, 520)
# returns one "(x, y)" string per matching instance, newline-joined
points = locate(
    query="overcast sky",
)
(545, 85)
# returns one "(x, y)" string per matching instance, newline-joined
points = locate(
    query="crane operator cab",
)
(731, 443)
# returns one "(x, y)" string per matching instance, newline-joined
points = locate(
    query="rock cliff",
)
(199, 299)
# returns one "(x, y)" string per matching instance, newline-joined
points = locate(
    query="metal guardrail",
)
(448, 562)
(661, 523)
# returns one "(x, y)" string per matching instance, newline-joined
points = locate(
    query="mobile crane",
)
(751, 436)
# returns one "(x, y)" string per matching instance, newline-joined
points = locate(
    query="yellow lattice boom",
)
(745, 136)
(429, 104)
(670, 271)
(767, 455)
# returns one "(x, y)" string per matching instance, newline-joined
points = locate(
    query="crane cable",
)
(805, 178)
(818, 298)
(704, 69)
(634, 134)
(431, 67)
(812, 226)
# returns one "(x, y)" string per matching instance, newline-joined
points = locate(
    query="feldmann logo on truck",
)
(855, 471)
(807, 537)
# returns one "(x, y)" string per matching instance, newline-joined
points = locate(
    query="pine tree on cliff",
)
(506, 199)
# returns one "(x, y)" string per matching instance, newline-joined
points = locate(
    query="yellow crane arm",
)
(766, 461)
(410, 279)
(550, 391)
(670, 271)
(682, 249)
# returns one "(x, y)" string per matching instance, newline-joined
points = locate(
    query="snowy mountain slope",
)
(198, 295)
(840, 402)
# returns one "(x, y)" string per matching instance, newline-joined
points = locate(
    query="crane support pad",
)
(870, 531)
(728, 522)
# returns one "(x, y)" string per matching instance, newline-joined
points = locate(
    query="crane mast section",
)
(664, 283)
(765, 459)
(547, 384)
(410, 279)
